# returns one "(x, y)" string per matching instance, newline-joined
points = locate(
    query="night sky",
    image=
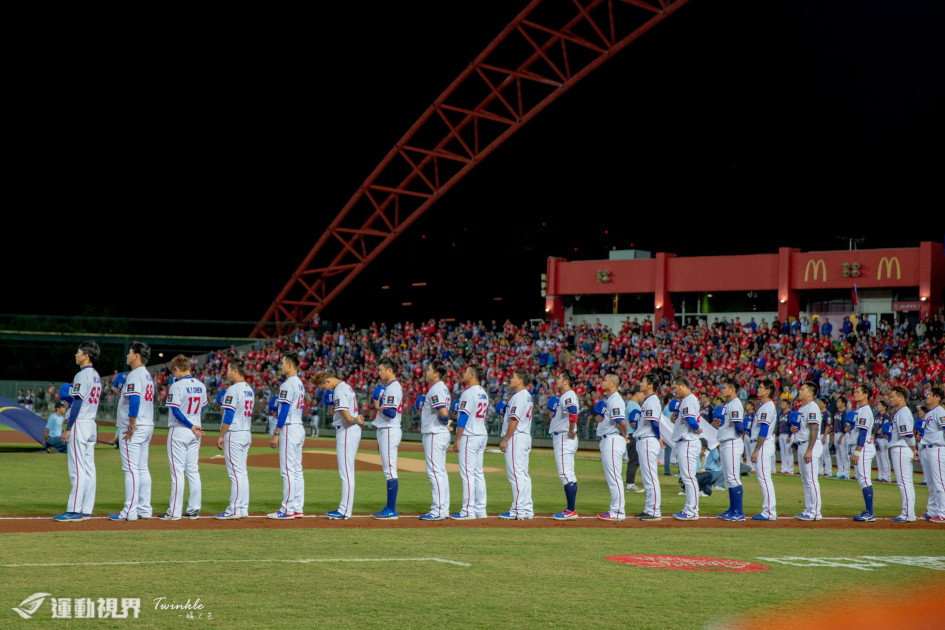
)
(182, 166)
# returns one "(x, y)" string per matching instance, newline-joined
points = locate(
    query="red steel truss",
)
(528, 66)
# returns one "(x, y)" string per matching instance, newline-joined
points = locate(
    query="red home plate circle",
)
(689, 563)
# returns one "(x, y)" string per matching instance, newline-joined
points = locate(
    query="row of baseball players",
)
(187, 397)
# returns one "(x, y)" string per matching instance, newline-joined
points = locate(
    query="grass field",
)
(338, 578)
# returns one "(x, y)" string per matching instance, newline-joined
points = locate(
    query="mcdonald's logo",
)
(889, 264)
(816, 265)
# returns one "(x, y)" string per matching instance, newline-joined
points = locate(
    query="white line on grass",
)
(291, 561)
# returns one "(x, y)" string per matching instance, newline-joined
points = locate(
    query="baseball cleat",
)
(119, 517)
(299, 514)
(226, 517)
(901, 519)
(606, 516)
(864, 518)
(507, 516)
(760, 517)
(385, 514)
(937, 519)
(646, 516)
(74, 517)
(483, 515)
(734, 518)
(724, 514)
(682, 516)
(566, 515)
(804, 517)
(281, 516)
(192, 514)
(337, 516)
(429, 517)
(458, 516)
(167, 517)
(926, 516)
(634, 488)
(143, 517)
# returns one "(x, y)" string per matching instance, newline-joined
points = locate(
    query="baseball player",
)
(864, 451)
(612, 433)
(434, 427)
(563, 429)
(762, 457)
(347, 423)
(235, 438)
(517, 444)
(809, 448)
(289, 436)
(932, 455)
(186, 398)
(688, 447)
(388, 404)
(118, 382)
(902, 451)
(841, 440)
(470, 444)
(634, 398)
(80, 434)
(136, 418)
(747, 439)
(731, 429)
(883, 468)
(649, 445)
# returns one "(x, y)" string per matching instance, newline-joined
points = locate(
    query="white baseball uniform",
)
(810, 418)
(474, 402)
(564, 447)
(688, 448)
(87, 387)
(239, 399)
(613, 446)
(517, 453)
(134, 451)
(648, 451)
(291, 440)
(347, 439)
(188, 396)
(883, 467)
(389, 431)
(932, 455)
(864, 467)
(436, 441)
(900, 455)
(767, 415)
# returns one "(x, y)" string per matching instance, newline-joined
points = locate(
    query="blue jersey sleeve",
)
(462, 419)
(180, 417)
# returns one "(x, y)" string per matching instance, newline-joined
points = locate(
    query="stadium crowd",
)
(789, 353)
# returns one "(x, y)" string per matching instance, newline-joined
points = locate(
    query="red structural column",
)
(662, 299)
(931, 276)
(554, 305)
(789, 303)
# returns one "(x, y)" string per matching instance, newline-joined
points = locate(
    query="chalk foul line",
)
(234, 561)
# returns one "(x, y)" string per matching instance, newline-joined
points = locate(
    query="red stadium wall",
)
(789, 272)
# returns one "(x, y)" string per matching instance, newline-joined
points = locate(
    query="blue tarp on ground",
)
(16, 417)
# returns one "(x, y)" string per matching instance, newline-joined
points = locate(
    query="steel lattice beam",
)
(523, 70)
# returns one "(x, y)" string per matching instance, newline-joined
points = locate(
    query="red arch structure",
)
(539, 56)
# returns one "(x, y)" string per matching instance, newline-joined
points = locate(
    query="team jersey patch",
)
(812, 416)
(435, 400)
(228, 400)
(861, 421)
(735, 414)
(512, 411)
(170, 398)
(650, 414)
(764, 416)
(685, 410)
(616, 411)
(77, 387)
(902, 428)
(462, 405)
(129, 387)
(284, 393)
(390, 399)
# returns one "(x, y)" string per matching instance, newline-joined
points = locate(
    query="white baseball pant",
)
(183, 451)
(291, 439)
(134, 461)
(612, 449)
(235, 450)
(516, 470)
(648, 451)
(471, 450)
(901, 459)
(812, 498)
(934, 465)
(81, 453)
(883, 469)
(763, 471)
(347, 439)
(564, 449)
(388, 441)
(730, 454)
(864, 465)
(787, 457)
(687, 454)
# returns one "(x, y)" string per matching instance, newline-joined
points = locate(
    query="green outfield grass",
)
(516, 578)
(41, 486)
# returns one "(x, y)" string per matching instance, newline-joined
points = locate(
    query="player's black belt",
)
(560, 433)
(930, 446)
(799, 443)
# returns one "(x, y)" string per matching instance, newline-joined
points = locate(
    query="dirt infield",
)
(101, 523)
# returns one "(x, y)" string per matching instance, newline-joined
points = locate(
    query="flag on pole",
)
(854, 296)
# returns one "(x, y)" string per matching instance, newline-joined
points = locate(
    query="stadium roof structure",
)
(543, 52)
(790, 272)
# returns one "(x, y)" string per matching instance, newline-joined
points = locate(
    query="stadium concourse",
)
(704, 353)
